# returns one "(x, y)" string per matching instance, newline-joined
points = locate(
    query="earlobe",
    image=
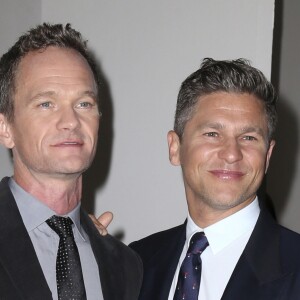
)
(5, 134)
(174, 148)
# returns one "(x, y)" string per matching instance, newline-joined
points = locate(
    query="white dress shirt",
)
(45, 241)
(227, 240)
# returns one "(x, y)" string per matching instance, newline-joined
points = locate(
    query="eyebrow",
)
(53, 93)
(213, 125)
(256, 129)
(89, 93)
(246, 129)
(43, 94)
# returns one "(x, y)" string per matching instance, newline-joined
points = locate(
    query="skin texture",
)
(54, 133)
(224, 154)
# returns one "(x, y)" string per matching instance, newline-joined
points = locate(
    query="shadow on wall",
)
(284, 159)
(96, 176)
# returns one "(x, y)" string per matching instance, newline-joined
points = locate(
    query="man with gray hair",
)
(49, 118)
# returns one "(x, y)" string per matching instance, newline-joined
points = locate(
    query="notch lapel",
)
(109, 261)
(258, 273)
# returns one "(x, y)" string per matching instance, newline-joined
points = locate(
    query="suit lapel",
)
(108, 259)
(259, 266)
(17, 254)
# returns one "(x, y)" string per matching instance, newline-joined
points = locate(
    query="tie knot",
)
(61, 225)
(198, 243)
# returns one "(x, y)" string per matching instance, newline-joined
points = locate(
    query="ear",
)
(5, 133)
(269, 154)
(174, 148)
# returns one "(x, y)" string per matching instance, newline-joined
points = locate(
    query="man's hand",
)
(102, 222)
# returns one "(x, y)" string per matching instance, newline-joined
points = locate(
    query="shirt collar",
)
(35, 212)
(224, 232)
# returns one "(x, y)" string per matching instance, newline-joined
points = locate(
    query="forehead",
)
(229, 103)
(228, 111)
(53, 65)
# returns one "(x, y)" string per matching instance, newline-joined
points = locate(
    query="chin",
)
(225, 205)
(74, 168)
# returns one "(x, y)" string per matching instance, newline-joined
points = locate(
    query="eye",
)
(85, 104)
(45, 105)
(211, 134)
(249, 138)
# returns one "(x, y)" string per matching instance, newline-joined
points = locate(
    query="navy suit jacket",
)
(21, 276)
(268, 269)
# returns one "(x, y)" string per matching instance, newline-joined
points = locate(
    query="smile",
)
(69, 144)
(227, 174)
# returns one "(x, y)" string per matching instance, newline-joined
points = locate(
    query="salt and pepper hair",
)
(37, 39)
(231, 76)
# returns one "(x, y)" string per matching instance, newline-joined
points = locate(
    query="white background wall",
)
(15, 18)
(145, 49)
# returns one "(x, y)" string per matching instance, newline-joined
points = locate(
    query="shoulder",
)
(290, 241)
(118, 264)
(279, 239)
(147, 246)
(290, 249)
(116, 248)
(274, 239)
(108, 246)
(267, 229)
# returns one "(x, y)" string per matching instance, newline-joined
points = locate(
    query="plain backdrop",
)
(144, 50)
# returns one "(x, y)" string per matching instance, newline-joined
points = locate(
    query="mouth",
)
(227, 174)
(68, 144)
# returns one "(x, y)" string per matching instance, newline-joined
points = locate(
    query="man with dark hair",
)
(230, 247)
(49, 118)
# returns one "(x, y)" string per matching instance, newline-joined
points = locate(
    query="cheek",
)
(95, 125)
(198, 155)
(32, 135)
(256, 160)
(92, 128)
(30, 140)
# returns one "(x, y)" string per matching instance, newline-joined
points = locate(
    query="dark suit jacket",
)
(268, 269)
(21, 276)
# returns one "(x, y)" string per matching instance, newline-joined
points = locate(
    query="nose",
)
(231, 151)
(68, 119)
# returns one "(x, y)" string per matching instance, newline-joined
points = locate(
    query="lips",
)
(68, 143)
(227, 174)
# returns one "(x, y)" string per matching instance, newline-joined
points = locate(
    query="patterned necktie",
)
(190, 272)
(69, 277)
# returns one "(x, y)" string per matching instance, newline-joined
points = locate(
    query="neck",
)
(61, 194)
(204, 215)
